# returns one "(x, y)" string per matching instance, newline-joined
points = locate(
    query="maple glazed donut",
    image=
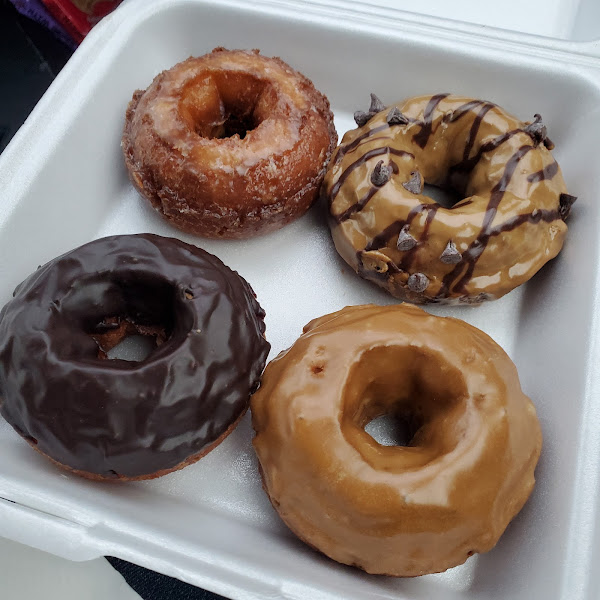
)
(510, 222)
(395, 510)
(119, 419)
(229, 145)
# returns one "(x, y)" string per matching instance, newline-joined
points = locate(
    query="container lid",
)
(572, 20)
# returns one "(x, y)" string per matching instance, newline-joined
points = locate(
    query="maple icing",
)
(395, 510)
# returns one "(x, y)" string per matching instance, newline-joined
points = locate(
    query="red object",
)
(76, 21)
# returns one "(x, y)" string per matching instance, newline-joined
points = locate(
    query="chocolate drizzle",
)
(475, 129)
(394, 229)
(343, 150)
(361, 161)
(357, 206)
(548, 172)
(463, 110)
(423, 136)
(114, 416)
(468, 164)
(537, 215)
(409, 257)
(475, 250)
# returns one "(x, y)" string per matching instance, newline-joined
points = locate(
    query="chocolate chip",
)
(362, 118)
(537, 130)
(395, 117)
(405, 240)
(565, 202)
(418, 282)
(450, 255)
(415, 184)
(381, 174)
(376, 105)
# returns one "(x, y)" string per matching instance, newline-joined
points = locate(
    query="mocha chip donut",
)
(230, 144)
(117, 419)
(508, 224)
(395, 510)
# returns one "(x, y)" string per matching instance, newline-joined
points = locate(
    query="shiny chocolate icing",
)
(117, 418)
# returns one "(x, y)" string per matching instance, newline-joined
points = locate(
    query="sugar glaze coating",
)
(230, 144)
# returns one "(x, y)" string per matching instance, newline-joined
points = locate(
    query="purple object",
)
(35, 10)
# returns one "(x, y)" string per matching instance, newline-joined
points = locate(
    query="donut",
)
(229, 145)
(118, 419)
(509, 221)
(395, 510)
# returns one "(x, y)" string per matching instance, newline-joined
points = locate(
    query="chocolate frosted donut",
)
(230, 144)
(395, 510)
(116, 419)
(509, 223)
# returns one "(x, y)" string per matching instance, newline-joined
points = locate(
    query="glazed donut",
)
(394, 510)
(116, 419)
(509, 223)
(229, 145)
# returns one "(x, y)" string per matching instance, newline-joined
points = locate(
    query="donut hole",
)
(407, 397)
(225, 104)
(393, 429)
(238, 125)
(128, 340)
(128, 317)
(134, 348)
(445, 196)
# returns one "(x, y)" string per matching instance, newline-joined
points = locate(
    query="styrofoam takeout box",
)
(63, 183)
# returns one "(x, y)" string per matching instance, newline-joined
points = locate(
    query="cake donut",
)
(395, 510)
(117, 419)
(508, 224)
(229, 145)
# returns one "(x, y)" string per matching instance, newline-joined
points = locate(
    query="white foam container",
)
(63, 183)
